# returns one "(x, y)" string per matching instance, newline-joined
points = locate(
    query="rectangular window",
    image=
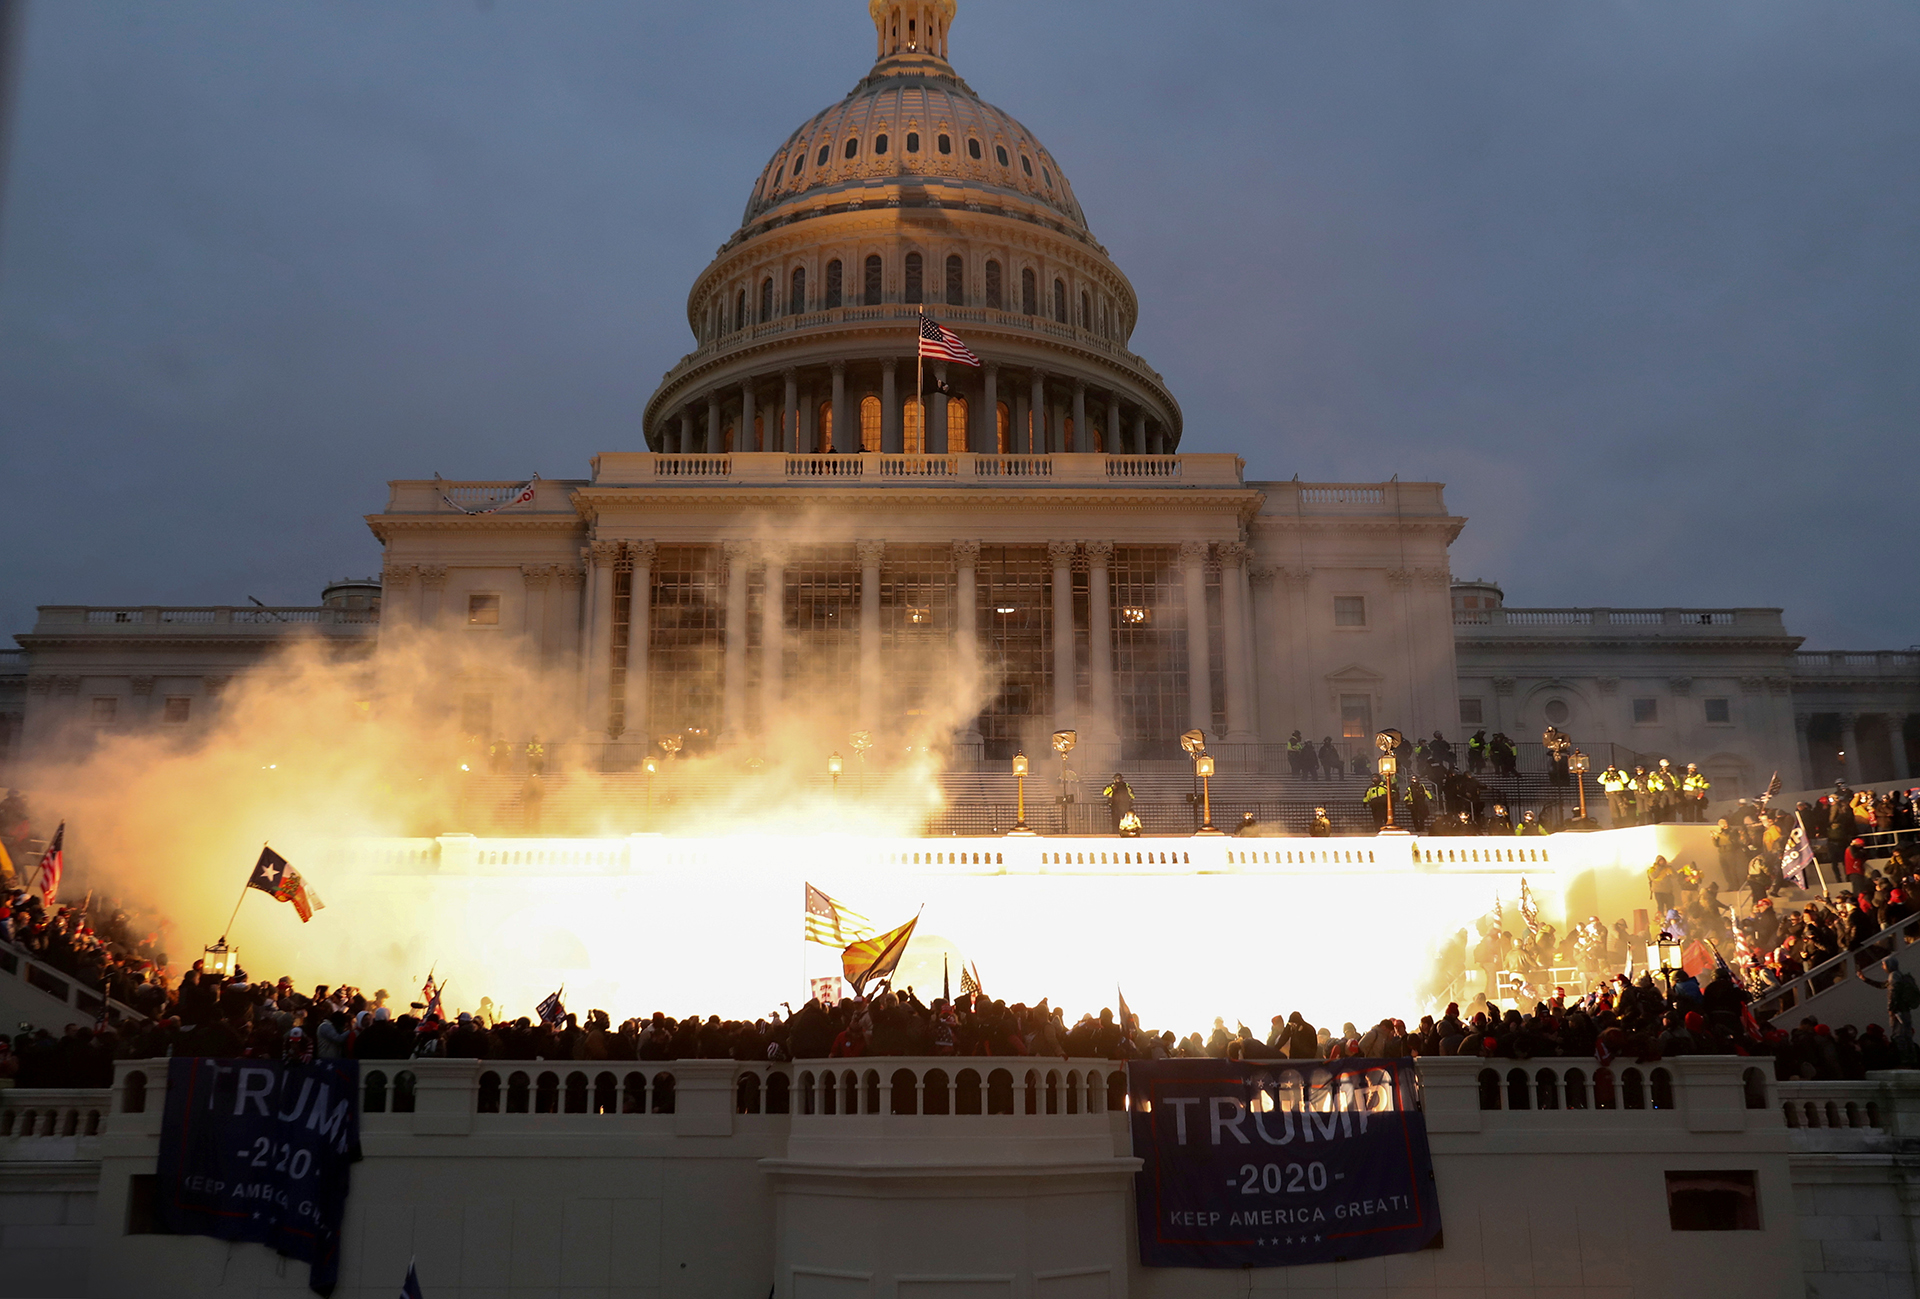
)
(1356, 717)
(1349, 610)
(1713, 1201)
(1150, 652)
(1470, 712)
(177, 709)
(1646, 712)
(483, 611)
(1720, 712)
(104, 710)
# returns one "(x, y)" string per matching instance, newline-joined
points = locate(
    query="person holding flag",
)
(876, 958)
(53, 863)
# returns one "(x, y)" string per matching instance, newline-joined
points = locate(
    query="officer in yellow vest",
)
(1666, 792)
(1694, 788)
(1619, 802)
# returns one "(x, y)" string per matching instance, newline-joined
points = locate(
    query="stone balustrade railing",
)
(878, 469)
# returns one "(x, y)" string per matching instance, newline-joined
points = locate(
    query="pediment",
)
(1355, 675)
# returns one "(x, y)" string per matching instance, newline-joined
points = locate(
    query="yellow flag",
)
(876, 957)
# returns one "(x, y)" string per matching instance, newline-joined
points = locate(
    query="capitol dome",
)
(911, 195)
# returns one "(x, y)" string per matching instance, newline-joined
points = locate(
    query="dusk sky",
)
(1638, 281)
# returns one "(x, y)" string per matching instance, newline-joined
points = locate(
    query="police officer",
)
(1641, 789)
(1619, 804)
(1376, 799)
(1477, 752)
(1666, 792)
(1295, 747)
(1693, 795)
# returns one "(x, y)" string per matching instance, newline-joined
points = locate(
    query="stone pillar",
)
(565, 610)
(790, 414)
(1019, 438)
(433, 591)
(1233, 619)
(535, 579)
(746, 442)
(1262, 617)
(1850, 746)
(1082, 435)
(714, 443)
(986, 425)
(1802, 722)
(1037, 407)
(1140, 431)
(1116, 437)
(1193, 585)
(1065, 677)
(733, 711)
(773, 637)
(892, 430)
(598, 620)
(639, 642)
(846, 438)
(966, 633)
(398, 604)
(936, 426)
(870, 553)
(1105, 722)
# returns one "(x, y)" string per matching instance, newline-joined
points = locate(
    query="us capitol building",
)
(803, 525)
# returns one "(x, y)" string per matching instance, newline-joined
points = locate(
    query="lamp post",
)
(1195, 744)
(1020, 811)
(1557, 745)
(1203, 767)
(1387, 741)
(1063, 742)
(833, 768)
(1578, 764)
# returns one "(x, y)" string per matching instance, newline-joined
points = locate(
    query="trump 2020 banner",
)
(254, 1150)
(1272, 1163)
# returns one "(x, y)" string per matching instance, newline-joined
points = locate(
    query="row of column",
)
(1896, 724)
(700, 427)
(604, 559)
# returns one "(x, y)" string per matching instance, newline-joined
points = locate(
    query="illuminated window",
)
(1349, 610)
(823, 421)
(956, 423)
(1136, 615)
(1356, 717)
(483, 611)
(1002, 428)
(870, 423)
(912, 436)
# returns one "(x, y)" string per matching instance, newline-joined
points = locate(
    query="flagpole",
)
(920, 382)
(236, 905)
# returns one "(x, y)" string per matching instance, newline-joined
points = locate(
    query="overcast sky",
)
(1639, 281)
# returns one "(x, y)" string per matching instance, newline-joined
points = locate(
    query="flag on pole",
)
(946, 987)
(1797, 855)
(430, 996)
(1773, 788)
(876, 957)
(941, 344)
(969, 980)
(521, 496)
(52, 862)
(272, 874)
(1529, 910)
(833, 923)
(551, 1011)
(410, 1288)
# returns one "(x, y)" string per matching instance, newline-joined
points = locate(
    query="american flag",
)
(833, 923)
(969, 980)
(52, 862)
(943, 344)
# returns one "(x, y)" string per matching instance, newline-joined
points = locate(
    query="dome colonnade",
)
(911, 194)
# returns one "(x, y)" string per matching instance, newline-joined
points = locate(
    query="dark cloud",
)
(1638, 280)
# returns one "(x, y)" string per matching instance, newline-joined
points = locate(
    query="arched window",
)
(823, 421)
(945, 143)
(1000, 152)
(546, 1094)
(766, 299)
(821, 161)
(912, 430)
(1547, 1087)
(936, 1089)
(633, 1094)
(973, 149)
(874, 281)
(905, 1093)
(1029, 293)
(956, 423)
(576, 1102)
(740, 310)
(880, 145)
(870, 423)
(853, 146)
(913, 141)
(489, 1102)
(517, 1086)
(1517, 1090)
(993, 286)
(403, 1083)
(833, 284)
(746, 1096)
(606, 1094)
(373, 1099)
(956, 280)
(797, 291)
(779, 1093)
(1047, 176)
(1003, 428)
(1086, 311)
(1026, 165)
(1060, 301)
(966, 1092)
(914, 291)
(663, 1093)
(799, 161)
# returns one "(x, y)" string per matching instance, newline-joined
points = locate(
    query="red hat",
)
(1695, 1020)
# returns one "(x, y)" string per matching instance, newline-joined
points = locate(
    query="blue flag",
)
(410, 1289)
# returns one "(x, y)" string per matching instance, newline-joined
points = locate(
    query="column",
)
(433, 588)
(1268, 693)
(1065, 677)
(892, 434)
(1233, 619)
(1802, 722)
(397, 603)
(1140, 431)
(598, 620)
(733, 709)
(846, 438)
(535, 579)
(714, 444)
(986, 424)
(790, 414)
(869, 553)
(1116, 438)
(1082, 435)
(966, 632)
(639, 641)
(1019, 441)
(1193, 585)
(936, 429)
(773, 636)
(1850, 746)
(1037, 407)
(685, 445)
(1105, 722)
(745, 441)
